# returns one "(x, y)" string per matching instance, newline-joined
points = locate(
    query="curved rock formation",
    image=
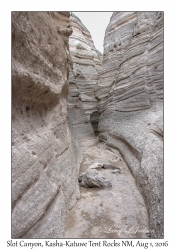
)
(110, 203)
(130, 94)
(83, 78)
(114, 110)
(108, 208)
(45, 159)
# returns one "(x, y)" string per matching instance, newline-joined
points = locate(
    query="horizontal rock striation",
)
(45, 153)
(130, 101)
(109, 196)
(83, 78)
(115, 111)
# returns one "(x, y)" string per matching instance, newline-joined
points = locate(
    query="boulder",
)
(94, 179)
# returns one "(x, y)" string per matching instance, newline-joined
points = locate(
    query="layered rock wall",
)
(83, 78)
(45, 154)
(126, 92)
(130, 101)
(118, 205)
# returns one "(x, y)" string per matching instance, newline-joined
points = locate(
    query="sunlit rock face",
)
(45, 158)
(83, 78)
(130, 101)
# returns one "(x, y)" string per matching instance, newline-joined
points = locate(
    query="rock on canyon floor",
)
(112, 212)
(87, 128)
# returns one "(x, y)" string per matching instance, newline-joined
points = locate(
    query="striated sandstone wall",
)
(130, 100)
(82, 103)
(128, 94)
(45, 153)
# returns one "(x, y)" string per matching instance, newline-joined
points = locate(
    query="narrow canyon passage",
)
(117, 97)
(110, 205)
(87, 127)
(117, 211)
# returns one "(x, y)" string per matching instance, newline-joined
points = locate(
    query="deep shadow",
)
(94, 119)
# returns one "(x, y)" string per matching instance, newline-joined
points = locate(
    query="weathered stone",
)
(130, 94)
(93, 179)
(115, 113)
(115, 212)
(110, 166)
(83, 78)
(116, 171)
(45, 158)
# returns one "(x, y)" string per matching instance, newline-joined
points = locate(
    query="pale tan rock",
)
(118, 211)
(102, 211)
(45, 158)
(130, 94)
(93, 179)
(46, 199)
(83, 78)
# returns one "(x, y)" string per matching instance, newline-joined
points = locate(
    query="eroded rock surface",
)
(94, 179)
(121, 176)
(82, 104)
(130, 94)
(115, 212)
(45, 158)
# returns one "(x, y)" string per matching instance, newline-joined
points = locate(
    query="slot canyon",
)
(87, 127)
